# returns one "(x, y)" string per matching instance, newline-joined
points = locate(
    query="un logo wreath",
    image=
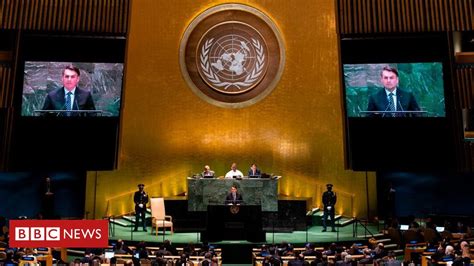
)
(214, 78)
(232, 63)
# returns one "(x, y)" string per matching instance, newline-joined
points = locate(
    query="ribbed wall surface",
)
(97, 16)
(390, 16)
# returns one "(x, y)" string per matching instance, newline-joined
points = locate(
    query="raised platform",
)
(290, 216)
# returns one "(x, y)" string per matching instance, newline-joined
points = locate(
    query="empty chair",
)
(159, 219)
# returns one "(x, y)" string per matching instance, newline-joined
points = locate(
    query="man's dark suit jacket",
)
(257, 172)
(405, 102)
(230, 200)
(140, 197)
(56, 100)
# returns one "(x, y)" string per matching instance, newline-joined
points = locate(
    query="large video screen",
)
(96, 89)
(394, 90)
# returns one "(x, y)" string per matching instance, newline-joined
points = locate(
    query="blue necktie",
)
(68, 103)
(391, 105)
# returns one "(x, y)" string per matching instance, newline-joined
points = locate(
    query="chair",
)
(159, 217)
(412, 235)
(395, 236)
(27, 260)
(430, 235)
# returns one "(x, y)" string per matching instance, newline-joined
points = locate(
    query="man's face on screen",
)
(70, 79)
(389, 80)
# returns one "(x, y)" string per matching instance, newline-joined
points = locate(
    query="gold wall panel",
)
(169, 133)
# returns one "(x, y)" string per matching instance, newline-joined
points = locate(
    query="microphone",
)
(77, 105)
(62, 108)
(383, 115)
(401, 107)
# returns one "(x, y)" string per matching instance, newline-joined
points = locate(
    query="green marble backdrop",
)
(425, 80)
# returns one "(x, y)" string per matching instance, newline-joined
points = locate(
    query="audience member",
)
(391, 260)
(379, 252)
(298, 260)
(309, 250)
(367, 257)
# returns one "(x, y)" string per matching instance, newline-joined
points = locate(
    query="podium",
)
(66, 113)
(395, 113)
(234, 222)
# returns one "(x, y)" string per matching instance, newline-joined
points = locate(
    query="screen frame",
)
(94, 141)
(55, 73)
(364, 137)
(67, 47)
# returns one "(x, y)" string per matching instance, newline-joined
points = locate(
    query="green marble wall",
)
(205, 191)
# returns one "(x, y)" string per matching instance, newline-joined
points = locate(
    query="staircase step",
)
(346, 221)
(390, 246)
(320, 214)
(121, 222)
(131, 218)
(384, 240)
(313, 211)
(399, 252)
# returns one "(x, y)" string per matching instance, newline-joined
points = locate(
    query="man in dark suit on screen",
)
(391, 98)
(70, 96)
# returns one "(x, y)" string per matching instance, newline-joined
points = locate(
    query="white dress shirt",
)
(233, 173)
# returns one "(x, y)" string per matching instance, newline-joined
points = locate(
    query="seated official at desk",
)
(233, 173)
(254, 171)
(208, 173)
(234, 197)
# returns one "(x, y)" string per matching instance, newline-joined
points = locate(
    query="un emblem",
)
(232, 63)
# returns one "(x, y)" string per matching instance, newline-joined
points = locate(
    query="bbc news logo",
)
(59, 233)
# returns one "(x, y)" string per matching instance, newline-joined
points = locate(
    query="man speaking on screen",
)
(70, 96)
(393, 101)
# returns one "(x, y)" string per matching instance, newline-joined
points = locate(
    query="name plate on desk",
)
(255, 191)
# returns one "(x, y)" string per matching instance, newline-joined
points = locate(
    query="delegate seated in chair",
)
(159, 217)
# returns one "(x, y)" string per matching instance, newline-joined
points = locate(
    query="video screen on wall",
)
(95, 87)
(394, 90)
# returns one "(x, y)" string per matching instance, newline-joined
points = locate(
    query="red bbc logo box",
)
(59, 233)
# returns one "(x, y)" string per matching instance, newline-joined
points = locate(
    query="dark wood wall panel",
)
(98, 16)
(391, 16)
(6, 94)
(6, 112)
(465, 91)
(465, 80)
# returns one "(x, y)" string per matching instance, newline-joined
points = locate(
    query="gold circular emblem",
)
(234, 209)
(232, 55)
